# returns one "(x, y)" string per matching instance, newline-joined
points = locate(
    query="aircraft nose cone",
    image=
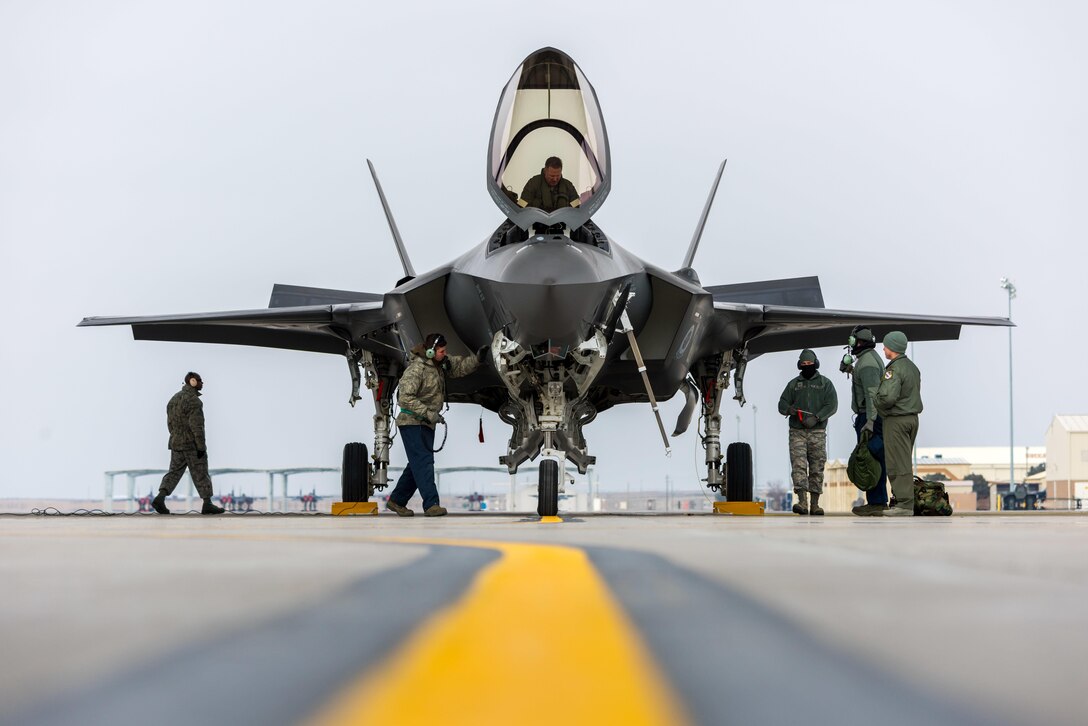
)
(550, 313)
(550, 262)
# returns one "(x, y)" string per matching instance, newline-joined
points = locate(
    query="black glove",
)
(792, 411)
(810, 421)
(201, 454)
(481, 354)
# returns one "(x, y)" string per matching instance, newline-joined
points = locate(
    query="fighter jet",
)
(574, 323)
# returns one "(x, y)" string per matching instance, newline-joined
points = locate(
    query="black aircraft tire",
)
(738, 472)
(547, 503)
(355, 473)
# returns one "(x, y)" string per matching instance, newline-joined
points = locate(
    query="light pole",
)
(755, 447)
(1007, 286)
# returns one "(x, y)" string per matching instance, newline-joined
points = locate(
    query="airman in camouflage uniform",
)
(188, 449)
(899, 401)
(809, 400)
(421, 395)
(548, 190)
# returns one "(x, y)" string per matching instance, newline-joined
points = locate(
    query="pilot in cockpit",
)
(548, 190)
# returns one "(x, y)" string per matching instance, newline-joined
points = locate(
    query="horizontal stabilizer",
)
(773, 328)
(291, 296)
(316, 328)
(796, 292)
(242, 335)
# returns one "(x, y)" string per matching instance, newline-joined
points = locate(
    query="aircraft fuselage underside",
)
(549, 342)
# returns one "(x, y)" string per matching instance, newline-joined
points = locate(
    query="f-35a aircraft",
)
(575, 324)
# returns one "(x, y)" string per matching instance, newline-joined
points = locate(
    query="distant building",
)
(1067, 462)
(840, 494)
(992, 462)
(950, 467)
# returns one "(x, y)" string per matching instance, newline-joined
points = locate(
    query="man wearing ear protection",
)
(809, 400)
(188, 448)
(866, 372)
(421, 394)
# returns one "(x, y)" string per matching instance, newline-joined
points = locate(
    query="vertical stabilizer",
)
(409, 271)
(690, 256)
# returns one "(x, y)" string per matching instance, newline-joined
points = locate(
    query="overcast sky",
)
(183, 157)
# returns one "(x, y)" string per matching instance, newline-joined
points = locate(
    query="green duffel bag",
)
(930, 499)
(863, 469)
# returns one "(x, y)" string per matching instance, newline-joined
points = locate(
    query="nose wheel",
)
(547, 502)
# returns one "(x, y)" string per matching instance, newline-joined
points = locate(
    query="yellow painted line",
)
(537, 639)
(551, 520)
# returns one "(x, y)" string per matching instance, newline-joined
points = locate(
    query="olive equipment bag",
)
(863, 469)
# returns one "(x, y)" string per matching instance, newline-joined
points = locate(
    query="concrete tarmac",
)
(776, 619)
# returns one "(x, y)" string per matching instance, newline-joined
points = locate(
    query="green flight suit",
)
(868, 370)
(899, 401)
(538, 194)
(815, 396)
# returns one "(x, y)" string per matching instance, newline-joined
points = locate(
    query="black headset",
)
(853, 339)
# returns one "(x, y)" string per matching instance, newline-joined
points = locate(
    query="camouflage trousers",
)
(183, 459)
(808, 454)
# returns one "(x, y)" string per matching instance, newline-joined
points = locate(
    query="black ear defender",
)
(815, 360)
(853, 339)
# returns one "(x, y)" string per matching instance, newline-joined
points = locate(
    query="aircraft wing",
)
(773, 328)
(317, 328)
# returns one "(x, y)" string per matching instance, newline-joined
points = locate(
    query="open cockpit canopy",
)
(548, 109)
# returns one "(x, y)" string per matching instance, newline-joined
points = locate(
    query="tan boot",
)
(801, 498)
(814, 508)
(435, 511)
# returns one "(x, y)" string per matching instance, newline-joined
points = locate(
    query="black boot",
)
(159, 504)
(210, 508)
(800, 497)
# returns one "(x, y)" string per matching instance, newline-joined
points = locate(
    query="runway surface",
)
(505, 619)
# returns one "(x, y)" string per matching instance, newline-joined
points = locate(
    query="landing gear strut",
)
(735, 481)
(381, 379)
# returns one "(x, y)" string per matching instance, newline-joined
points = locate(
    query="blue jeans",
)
(879, 493)
(419, 474)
